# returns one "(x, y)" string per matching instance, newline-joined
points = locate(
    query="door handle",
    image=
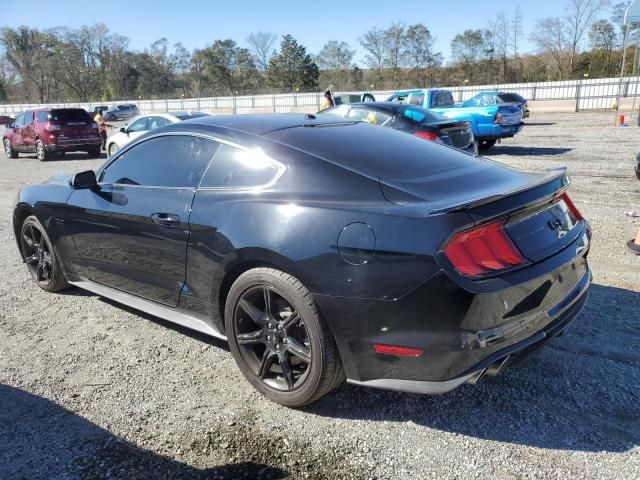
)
(168, 220)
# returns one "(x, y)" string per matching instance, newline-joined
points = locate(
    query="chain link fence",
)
(588, 94)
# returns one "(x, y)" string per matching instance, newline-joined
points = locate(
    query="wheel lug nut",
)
(280, 327)
(268, 338)
(284, 340)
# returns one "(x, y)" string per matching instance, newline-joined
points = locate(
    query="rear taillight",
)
(483, 250)
(497, 118)
(572, 208)
(432, 137)
(396, 350)
(53, 127)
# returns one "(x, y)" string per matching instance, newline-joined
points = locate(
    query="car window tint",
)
(70, 115)
(168, 161)
(42, 117)
(441, 98)
(508, 97)
(28, 118)
(19, 121)
(233, 167)
(156, 122)
(139, 125)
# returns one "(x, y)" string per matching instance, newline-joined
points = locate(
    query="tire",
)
(263, 348)
(484, 145)
(94, 152)
(41, 152)
(38, 255)
(8, 149)
(112, 149)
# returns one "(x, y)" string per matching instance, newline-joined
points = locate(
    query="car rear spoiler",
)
(550, 175)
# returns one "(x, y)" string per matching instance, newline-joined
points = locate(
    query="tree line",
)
(93, 64)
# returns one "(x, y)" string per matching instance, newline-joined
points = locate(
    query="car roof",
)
(261, 124)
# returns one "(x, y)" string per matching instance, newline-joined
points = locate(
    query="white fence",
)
(588, 94)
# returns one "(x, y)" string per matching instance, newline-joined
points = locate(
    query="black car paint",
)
(391, 286)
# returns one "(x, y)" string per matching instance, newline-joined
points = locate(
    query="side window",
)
(232, 167)
(416, 99)
(371, 116)
(169, 161)
(139, 125)
(156, 122)
(42, 117)
(19, 121)
(28, 118)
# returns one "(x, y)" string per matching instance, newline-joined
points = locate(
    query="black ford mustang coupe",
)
(321, 249)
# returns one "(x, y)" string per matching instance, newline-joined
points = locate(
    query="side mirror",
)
(86, 179)
(123, 130)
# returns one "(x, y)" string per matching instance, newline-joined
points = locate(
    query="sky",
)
(198, 23)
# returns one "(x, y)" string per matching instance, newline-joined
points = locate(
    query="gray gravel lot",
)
(89, 389)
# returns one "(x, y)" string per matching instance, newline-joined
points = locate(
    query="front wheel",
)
(278, 339)
(38, 255)
(41, 152)
(113, 149)
(485, 145)
(8, 149)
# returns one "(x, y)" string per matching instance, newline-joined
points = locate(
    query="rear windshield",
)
(510, 97)
(70, 115)
(187, 116)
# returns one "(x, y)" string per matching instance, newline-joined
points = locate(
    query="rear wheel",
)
(38, 255)
(486, 144)
(278, 339)
(41, 152)
(8, 149)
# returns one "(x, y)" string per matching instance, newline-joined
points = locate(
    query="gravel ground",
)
(89, 389)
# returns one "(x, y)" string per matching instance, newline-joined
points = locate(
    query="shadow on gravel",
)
(578, 393)
(41, 439)
(528, 151)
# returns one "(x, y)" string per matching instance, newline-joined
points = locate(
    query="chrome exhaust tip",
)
(495, 368)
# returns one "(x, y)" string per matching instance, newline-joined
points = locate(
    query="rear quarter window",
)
(42, 117)
(235, 168)
(441, 99)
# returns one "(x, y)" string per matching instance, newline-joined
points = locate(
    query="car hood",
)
(63, 180)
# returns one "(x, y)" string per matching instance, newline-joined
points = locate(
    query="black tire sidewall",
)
(58, 281)
(305, 393)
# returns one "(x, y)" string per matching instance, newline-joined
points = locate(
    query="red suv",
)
(49, 131)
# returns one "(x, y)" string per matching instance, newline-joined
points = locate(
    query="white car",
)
(142, 124)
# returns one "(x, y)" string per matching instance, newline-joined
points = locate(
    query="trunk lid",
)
(74, 124)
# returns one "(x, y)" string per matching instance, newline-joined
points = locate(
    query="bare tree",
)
(396, 39)
(579, 17)
(502, 37)
(418, 50)
(375, 44)
(550, 37)
(335, 58)
(516, 34)
(262, 47)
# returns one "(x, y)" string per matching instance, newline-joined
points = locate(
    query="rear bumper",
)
(497, 132)
(559, 317)
(73, 146)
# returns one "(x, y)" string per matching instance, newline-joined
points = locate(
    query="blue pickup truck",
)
(488, 123)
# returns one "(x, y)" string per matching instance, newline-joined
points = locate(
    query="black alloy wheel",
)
(278, 339)
(39, 257)
(272, 337)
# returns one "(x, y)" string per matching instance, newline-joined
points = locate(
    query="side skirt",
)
(173, 315)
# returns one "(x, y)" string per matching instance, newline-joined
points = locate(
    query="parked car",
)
(121, 112)
(488, 124)
(100, 108)
(353, 98)
(6, 120)
(484, 99)
(411, 119)
(49, 131)
(320, 250)
(142, 124)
